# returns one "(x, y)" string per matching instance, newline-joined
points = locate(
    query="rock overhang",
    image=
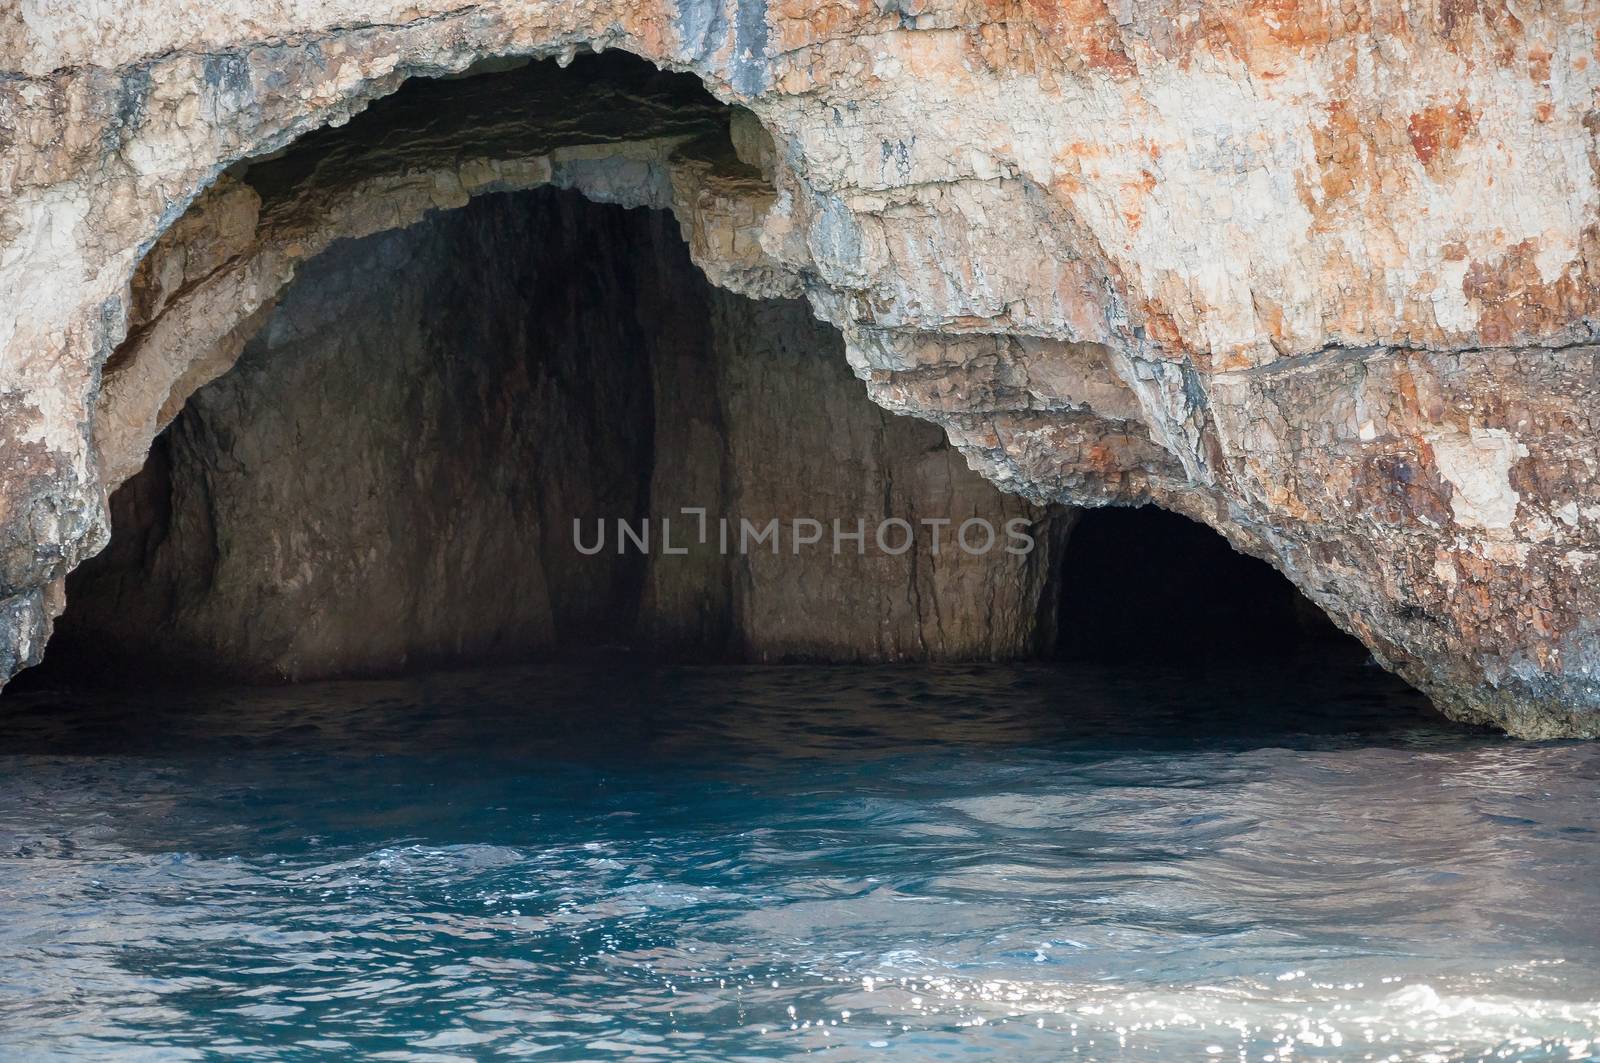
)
(1323, 279)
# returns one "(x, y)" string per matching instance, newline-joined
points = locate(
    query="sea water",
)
(616, 861)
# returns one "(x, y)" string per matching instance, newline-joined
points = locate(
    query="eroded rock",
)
(1324, 278)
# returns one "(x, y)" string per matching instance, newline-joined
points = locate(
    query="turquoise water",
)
(619, 862)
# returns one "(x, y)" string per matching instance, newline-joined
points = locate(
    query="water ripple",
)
(724, 864)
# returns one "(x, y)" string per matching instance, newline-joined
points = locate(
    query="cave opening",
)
(411, 460)
(411, 440)
(1145, 584)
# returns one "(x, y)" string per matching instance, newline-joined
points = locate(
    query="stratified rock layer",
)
(1323, 277)
(390, 475)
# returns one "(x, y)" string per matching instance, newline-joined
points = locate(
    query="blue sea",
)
(610, 860)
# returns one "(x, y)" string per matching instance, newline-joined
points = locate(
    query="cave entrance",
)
(487, 326)
(1149, 585)
(413, 459)
(491, 336)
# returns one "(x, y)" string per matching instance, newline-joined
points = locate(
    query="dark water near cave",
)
(1006, 863)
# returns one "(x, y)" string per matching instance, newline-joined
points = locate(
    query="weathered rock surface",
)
(471, 386)
(1326, 278)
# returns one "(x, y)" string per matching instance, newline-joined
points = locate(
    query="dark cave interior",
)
(1146, 584)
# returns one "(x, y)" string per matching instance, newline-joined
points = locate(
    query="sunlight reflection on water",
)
(979, 862)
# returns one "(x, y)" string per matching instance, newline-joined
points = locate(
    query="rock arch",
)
(1247, 270)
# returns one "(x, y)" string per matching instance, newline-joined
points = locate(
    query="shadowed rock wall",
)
(389, 475)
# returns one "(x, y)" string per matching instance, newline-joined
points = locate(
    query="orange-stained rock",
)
(1329, 272)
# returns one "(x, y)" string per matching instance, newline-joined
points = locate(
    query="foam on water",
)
(996, 862)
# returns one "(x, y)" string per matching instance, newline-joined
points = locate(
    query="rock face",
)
(472, 386)
(1325, 278)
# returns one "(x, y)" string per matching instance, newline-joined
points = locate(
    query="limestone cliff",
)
(1325, 277)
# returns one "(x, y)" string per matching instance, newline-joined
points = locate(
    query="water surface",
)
(611, 861)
